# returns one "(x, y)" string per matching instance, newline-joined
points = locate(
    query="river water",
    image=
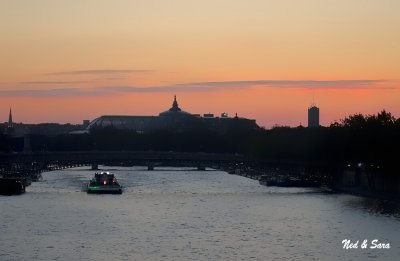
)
(182, 214)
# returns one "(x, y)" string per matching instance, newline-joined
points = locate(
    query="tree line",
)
(370, 139)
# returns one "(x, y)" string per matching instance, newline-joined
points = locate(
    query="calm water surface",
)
(180, 214)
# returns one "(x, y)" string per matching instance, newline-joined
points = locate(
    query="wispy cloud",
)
(51, 82)
(98, 72)
(204, 86)
(290, 84)
(46, 92)
(109, 78)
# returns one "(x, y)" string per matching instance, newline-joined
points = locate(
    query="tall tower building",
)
(10, 121)
(313, 116)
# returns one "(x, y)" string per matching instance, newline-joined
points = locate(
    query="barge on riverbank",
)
(12, 186)
(282, 181)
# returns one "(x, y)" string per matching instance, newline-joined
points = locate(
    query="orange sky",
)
(65, 61)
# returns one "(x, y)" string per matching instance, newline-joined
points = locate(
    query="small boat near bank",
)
(104, 183)
(12, 186)
(281, 181)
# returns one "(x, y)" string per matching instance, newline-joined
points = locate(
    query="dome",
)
(174, 110)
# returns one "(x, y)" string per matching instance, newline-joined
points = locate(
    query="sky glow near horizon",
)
(65, 61)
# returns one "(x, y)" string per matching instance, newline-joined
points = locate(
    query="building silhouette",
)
(19, 130)
(313, 116)
(173, 119)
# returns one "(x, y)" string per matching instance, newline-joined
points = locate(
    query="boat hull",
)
(288, 182)
(11, 186)
(104, 190)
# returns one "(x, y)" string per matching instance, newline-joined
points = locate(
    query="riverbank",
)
(361, 192)
(349, 182)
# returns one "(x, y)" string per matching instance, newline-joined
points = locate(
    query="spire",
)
(175, 107)
(10, 121)
(175, 103)
(10, 125)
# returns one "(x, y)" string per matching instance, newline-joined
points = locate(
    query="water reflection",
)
(373, 206)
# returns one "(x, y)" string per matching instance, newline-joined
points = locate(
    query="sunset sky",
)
(66, 61)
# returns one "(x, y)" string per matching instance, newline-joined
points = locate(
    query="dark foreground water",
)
(179, 214)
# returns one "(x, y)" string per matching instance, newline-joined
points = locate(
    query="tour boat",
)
(104, 183)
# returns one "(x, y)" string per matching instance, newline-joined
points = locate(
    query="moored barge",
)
(12, 186)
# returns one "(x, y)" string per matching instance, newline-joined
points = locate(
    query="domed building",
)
(173, 119)
(175, 111)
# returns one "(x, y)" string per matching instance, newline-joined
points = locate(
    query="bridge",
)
(33, 163)
(58, 160)
(27, 167)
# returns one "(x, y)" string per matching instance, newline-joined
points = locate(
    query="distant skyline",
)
(66, 61)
